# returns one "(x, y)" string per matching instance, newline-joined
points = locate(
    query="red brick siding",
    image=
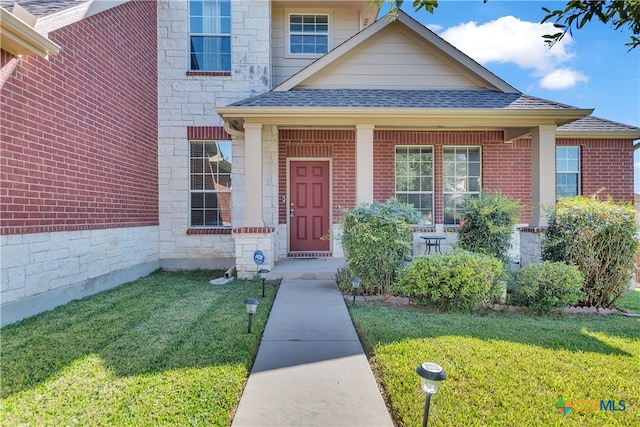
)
(338, 145)
(606, 167)
(505, 167)
(207, 132)
(79, 131)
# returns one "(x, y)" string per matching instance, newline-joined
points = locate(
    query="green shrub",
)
(547, 286)
(459, 281)
(343, 279)
(377, 239)
(599, 237)
(488, 225)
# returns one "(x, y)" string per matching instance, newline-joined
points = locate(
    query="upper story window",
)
(210, 35)
(567, 171)
(308, 34)
(461, 177)
(414, 179)
(210, 178)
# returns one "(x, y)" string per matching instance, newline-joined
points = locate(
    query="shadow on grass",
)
(580, 333)
(162, 322)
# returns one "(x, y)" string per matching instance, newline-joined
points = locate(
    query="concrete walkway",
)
(310, 369)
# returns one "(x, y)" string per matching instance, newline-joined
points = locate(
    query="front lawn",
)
(506, 369)
(168, 349)
(630, 301)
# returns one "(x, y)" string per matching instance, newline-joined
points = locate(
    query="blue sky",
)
(592, 69)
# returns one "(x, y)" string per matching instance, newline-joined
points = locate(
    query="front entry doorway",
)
(309, 206)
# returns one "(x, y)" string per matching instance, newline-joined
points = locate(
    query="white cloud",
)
(508, 39)
(435, 27)
(562, 78)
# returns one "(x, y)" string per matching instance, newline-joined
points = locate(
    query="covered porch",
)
(262, 128)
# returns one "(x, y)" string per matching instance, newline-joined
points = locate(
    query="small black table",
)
(433, 242)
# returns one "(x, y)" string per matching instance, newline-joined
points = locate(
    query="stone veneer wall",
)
(188, 99)
(43, 270)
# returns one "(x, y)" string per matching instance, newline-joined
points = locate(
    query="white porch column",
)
(253, 175)
(543, 173)
(364, 163)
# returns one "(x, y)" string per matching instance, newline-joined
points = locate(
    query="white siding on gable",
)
(393, 59)
(343, 24)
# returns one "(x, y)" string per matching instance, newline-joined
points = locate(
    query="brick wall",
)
(338, 145)
(505, 167)
(79, 131)
(607, 167)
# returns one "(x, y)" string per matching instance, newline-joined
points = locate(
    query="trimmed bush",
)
(547, 286)
(599, 237)
(488, 225)
(377, 240)
(459, 281)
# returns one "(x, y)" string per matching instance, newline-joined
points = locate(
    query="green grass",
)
(168, 349)
(630, 301)
(505, 369)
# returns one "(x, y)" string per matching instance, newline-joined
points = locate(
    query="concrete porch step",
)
(306, 268)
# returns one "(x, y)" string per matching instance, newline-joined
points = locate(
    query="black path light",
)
(430, 376)
(263, 275)
(355, 284)
(252, 305)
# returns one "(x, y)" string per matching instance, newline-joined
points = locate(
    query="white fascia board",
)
(572, 134)
(18, 38)
(66, 17)
(399, 117)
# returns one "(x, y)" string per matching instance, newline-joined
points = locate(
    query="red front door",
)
(309, 206)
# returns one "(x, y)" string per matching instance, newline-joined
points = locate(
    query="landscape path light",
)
(355, 284)
(430, 376)
(252, 305)
(263, 275)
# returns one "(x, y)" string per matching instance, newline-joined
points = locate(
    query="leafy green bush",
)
(547, 286)
(377, 239)
(460, 281)
(488, 225)
(599, 237)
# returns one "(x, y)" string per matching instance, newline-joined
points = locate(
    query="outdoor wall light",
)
(355, 284)
(430, 376)
(252, 305)
(263, 275)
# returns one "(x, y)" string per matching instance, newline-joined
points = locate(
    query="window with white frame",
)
(414, 179)
(210, 35)
(461, 177)
(210, 177)
(567, 171)
(308, 34)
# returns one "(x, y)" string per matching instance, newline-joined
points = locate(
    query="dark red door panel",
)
(309, 209)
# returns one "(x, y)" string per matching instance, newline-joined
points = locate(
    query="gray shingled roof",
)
(41, 7)
(387, 98)
(597, 124)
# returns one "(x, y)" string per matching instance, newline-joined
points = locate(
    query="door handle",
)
(292, 213)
